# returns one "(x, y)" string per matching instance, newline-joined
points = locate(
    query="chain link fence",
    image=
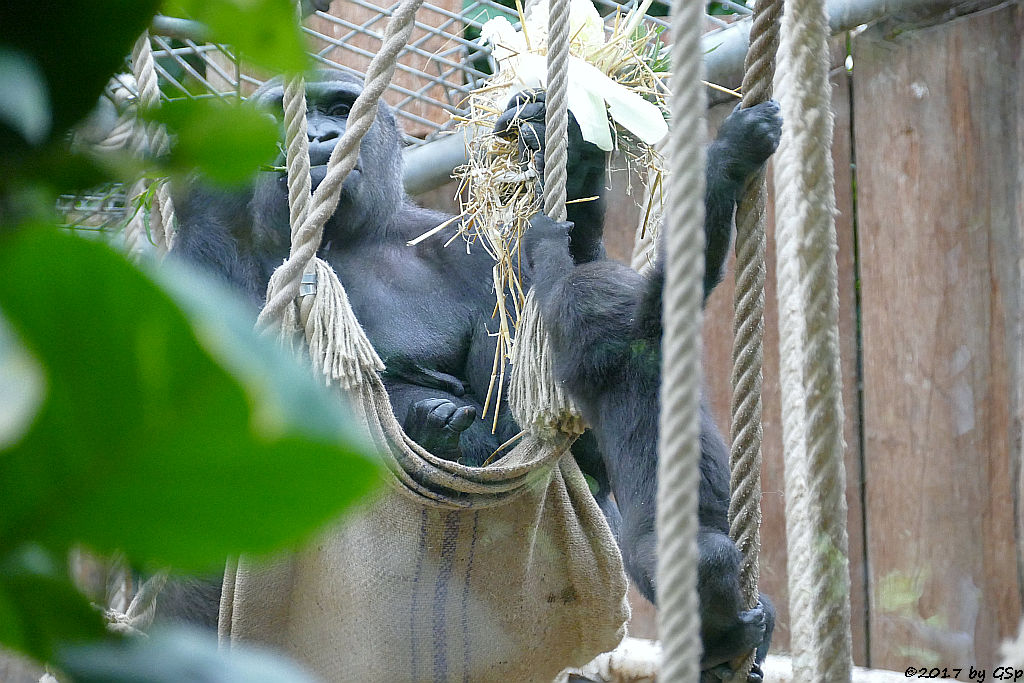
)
(443, 62)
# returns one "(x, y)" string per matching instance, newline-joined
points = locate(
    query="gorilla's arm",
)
(744, 142)
(215, 233)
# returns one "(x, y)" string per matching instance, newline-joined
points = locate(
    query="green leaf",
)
(56, 169)
(22, 386)
(175, 655)
(40, 609)
(77, 49)
(170, 431)
(265, 32)
(226, 142)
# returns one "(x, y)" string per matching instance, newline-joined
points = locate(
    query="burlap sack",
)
(504, 573)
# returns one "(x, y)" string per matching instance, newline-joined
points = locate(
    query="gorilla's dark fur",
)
(427, 309)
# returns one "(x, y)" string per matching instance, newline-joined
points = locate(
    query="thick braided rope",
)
(127, 134)
(535, 397)
(297, 150)
(748, 326)
(122, 135)
(144, 70)
(556, 114)
(284, 283)
(135, 228)
(679, 439)
(135, 237)
(748, 323)
(819, 585)
(139, 615)
(300, 186)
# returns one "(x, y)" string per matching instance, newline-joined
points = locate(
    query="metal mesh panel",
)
(441, 65)
(101, 211)
(436, 72)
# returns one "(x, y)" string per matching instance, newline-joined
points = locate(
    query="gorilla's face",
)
(372, 192)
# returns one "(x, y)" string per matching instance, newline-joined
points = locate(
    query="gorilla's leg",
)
(588, 457)
(190, 600)
(727, 630)
(446, 424)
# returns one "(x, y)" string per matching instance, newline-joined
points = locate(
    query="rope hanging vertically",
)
(812, 414)
(128, 134)
(556, 114)
(144, 70)
(748, 323)
(536, 399)
(296, 150)
(678, 428)
(306, 236)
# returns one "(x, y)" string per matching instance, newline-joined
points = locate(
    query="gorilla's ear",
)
(310, 6)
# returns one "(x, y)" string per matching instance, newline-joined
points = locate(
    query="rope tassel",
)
(535, 397)
(337, 344)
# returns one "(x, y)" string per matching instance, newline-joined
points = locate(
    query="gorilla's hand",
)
(523, 119)
(751, 135)
(437, 423)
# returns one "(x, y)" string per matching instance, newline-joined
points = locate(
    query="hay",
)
(499, 189)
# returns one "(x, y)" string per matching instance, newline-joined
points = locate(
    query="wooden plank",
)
(842, 149)
(936, 173)
(1015, 345)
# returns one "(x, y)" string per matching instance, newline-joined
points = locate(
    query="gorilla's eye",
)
(339, 109)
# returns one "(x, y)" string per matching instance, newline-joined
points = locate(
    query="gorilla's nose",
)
(320, 151)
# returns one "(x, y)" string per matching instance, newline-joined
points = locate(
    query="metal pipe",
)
(429, 166)
(724, 51)
(182, 29)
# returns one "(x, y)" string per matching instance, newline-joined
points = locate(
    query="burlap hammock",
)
(508, 572)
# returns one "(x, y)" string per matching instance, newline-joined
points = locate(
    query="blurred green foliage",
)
(139, 412)
(225, 141)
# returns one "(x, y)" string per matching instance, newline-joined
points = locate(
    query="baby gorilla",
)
(605, 326)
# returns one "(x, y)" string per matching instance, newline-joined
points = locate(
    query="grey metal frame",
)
(430, 160)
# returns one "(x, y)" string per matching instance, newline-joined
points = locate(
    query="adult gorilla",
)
(424, 308)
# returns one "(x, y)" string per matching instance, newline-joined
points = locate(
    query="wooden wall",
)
(938, 116)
